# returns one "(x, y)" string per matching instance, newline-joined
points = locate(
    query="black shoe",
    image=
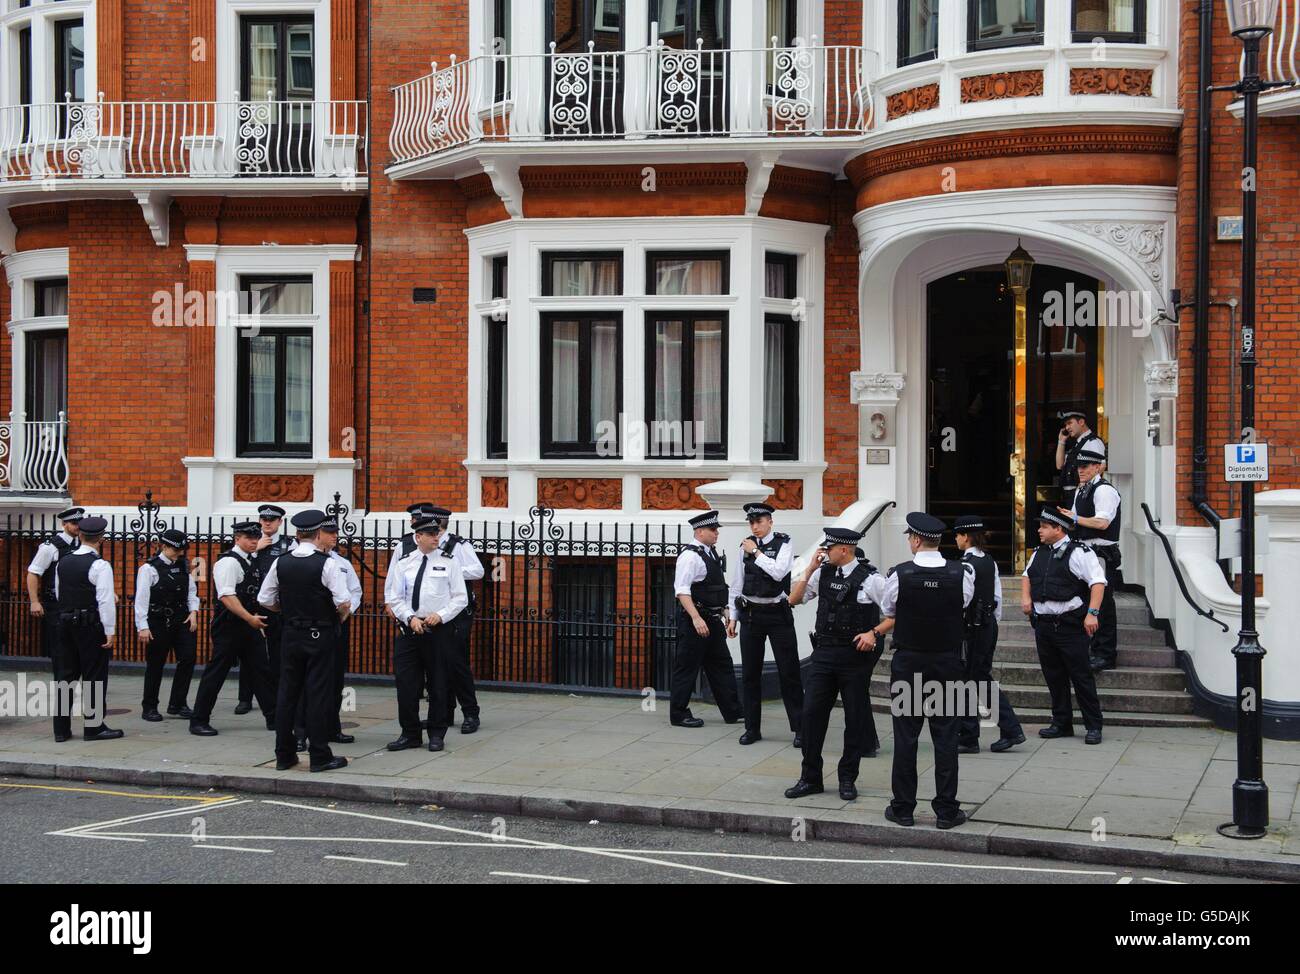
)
(1093, 736)
(798, 742)
(688, 722)
(181, 711)
(968, 749)
(898, 818)
(871, 752)
(750, 737)
(469, 725)
(733, 720)
(243, 707)
(203, 730)
(958, 818)
(341, 738)
(802, 788)
(105, 733)
(62, 738)
(1006, 743)
(152, 716)
(1097, 664)
(404, 743)
(284, 764)
(300, 745)
(436, 744)
(333, 764)
(1056, 730)
(848, 791)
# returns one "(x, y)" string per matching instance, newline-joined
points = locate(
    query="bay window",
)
(918, 31)
(686, 384)
(1118, 21)
(582, 384)
(780, 388)
(1004, 23)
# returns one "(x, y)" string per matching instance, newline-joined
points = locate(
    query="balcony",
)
(125, 142)
(656, 98)
(34, 456)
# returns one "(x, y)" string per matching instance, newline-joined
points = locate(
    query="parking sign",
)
(1245, 462)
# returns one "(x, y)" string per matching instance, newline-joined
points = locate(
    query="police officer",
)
(926, 600)
(406, 543)
(327, 541)
(1073, 437)
(238, 630)
(270, 546)
(982, 618)
(425, 591)
(760, 589)
(1096, 517)
(306, 587)
(166, 620)
(40, 580)
(1061, 592)
(83, 588)
(845, 646)
(459, 670)
(700, 584)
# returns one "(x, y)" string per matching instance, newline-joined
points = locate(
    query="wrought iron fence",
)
(560, 604)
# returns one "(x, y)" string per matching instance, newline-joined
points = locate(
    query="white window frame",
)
(22, 271)
(42, 16)
(228, 40)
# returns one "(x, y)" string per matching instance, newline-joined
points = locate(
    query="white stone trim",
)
(41, 16)
(22, 270)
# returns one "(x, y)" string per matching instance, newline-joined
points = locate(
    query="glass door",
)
(278, 86)
(585, 68)
(692, 66)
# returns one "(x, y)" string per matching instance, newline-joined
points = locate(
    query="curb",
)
(825, 824)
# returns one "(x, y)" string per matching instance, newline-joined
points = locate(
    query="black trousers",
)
(937, 668)
(234, 642)
(271, 653)
(49, 626)
(80, 656)
(309, 659)
(709, 653)
(1105, 642)
(460, 676)
(168, 637)
(341, 649)
(838, 669)
(1063, 654)
(420, 661)
(981, 644)
(758, 624)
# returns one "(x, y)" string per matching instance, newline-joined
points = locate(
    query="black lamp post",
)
(1250, 22)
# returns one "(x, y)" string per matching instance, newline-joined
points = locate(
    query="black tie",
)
(419, 578)
(714, 552)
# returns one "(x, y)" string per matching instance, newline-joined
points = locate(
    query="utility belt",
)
(710, 610)
(313, 624)
(425, 633)
(1069, 619)
(166, 616)
(980, 614)
(80, 617)
(746, 605)
(1108, 554)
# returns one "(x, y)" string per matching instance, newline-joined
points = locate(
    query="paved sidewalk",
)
(1159, 793)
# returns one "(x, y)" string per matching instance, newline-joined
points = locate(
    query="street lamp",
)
(1250, 21)
(1019, 266)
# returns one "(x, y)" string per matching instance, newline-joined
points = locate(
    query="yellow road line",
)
(119, 794)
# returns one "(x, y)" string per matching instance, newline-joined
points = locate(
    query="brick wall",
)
(156, 53)
(842, 355)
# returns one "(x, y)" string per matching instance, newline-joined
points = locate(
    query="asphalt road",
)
(73, 832)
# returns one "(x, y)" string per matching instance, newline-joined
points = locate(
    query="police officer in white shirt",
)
(40, 580)
(1096, 516)
(405, 545)
(83, 587)
(271, 545)
(459, 671)
(426, 592)
(166, 620)
(1063, 577)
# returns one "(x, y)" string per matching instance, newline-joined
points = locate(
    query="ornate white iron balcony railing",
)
(203, 140)
(657, 92)
(1279, 58)
(34, 454)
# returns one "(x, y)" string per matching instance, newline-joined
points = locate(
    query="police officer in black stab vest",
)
(1061, 592)
(760, 590)
(926, 598)
(1096, 517)
(166, 620)
(460, 674)
(237, 630)
(982, 618)
(83, 586)
(306, 587)
(700, 584)
(271, 545)
(40, 576)
(846, 644)
(1073, 437)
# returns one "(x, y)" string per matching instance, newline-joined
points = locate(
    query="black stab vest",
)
(246, 591)
(265, 558)
(172, 590)
(710, 591)
(984, 602)
(62, 548)
(1085, 505)
(76, 590)
(448, 547)
(408, 544)
(759, 583)
(930, 614)
(304, 599)
(840, 616)
(1050, 578)
(1069, 472)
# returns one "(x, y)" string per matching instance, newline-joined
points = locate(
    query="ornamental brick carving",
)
(669, 494)
(581, 493)
(787, 495)
(920, 99)
(495, 492)
(1111, 81)
(255, 487)
(1005, 84)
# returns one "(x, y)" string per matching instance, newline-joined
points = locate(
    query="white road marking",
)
(94, 835)
(1166, 882)
(329, 838)
(228, 848)
(377, 862)
(553, 879)
(534, 843)
(151, 816)
(1124, 881)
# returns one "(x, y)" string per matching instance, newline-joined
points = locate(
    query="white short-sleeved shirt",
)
(872, 589)
(1105, 504)
(101, 576)
(146, 578)
(330, 575)
(1084, 564)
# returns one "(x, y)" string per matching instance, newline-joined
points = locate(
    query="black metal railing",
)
(570, 604)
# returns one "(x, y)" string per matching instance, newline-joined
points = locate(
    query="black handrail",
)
(876, 516)
(1182, 585)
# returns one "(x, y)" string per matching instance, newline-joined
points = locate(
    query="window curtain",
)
(263, 62)
(604, 375)
(47, 375)
(1114, 16)
(576, 278)
(773, 382)
(774, 282)
(297, 389)
(52, 298)
(261, 389)
(665, 441)
(708, 383)
(564, 381)
(688, 276)
(284, 298)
